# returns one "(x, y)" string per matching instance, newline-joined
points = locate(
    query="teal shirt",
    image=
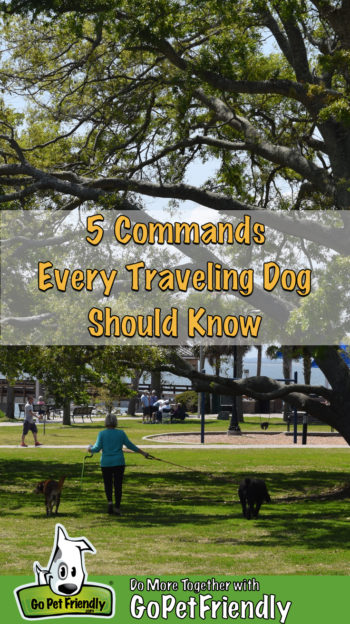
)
(111, 442)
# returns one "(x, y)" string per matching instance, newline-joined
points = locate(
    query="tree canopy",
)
(108, 103)
(123, 96)
(74, 373)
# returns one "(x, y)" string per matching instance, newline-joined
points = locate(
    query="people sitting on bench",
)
(179, 413)
(163, 409)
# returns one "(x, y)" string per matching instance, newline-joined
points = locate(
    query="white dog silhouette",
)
(65, 571)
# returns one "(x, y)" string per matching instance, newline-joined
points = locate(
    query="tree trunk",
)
(135, 386)
(237, 404)
(10, 401)
(66, 412)
(217, 364)
(258, 363)
(156, 382)
(132, 406)
(307, 367)
(239, 400)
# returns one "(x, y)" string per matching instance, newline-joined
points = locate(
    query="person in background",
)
(29, 423)
(111, 441)
(153, 407)
(42, 410)
(179, 413)
(163, 406)
(145, 402)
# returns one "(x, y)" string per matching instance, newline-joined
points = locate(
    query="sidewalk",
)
(176, 447)
(263, 417)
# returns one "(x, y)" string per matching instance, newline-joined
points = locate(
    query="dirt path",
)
(248, 439)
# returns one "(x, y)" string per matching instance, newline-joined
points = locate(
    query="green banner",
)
(39, 602)
(280, 599)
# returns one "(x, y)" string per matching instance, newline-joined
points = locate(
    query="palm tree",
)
(258, 364)
(290, 353)
(214, 353)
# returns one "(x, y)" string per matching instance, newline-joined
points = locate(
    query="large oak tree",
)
(123, 96)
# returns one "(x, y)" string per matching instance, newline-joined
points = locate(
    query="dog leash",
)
(83, 468)
(172, 463)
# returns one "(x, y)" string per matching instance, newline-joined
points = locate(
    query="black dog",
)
(252, 493)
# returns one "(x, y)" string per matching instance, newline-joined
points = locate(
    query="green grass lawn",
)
(176, 521)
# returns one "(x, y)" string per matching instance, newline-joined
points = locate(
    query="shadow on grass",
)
(309, 509)
(87, 425)
(308, 527)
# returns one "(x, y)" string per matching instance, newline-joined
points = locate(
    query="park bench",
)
(166, 415)
(35, 408)
(224, 415)
(54, 410)
(82, 410)
(49, 410)
(21, 409)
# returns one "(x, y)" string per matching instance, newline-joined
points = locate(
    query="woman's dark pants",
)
(113, 476)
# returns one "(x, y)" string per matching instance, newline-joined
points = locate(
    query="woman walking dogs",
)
(111, 441)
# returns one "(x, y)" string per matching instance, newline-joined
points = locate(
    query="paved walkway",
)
(198, 446)
(57, 421)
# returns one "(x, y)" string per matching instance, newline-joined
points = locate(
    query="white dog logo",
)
(65, 573)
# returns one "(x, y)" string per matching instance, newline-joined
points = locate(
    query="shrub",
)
(189, 399)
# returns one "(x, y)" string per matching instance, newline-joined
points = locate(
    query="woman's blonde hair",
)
(111, 421)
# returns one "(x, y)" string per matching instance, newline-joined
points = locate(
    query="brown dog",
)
(52, 492)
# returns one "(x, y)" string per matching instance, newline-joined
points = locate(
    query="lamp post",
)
(202, 407)
(234, 428)
(201, 396)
